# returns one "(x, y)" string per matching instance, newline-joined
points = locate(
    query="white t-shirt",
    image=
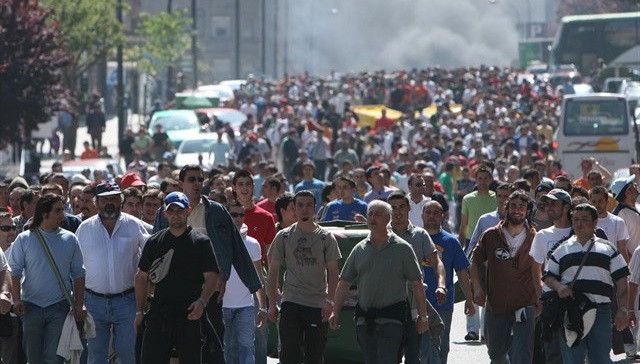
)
(515, 242)
(237, 294)
(544, 240)
(632, 221)
(4, 265)
(614, 227)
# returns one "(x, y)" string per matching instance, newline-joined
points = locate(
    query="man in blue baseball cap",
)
(180, 261)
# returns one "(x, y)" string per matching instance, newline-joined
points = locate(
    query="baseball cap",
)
(544, 186)
(618, 185)
(557, 195)
(176, 198)
(107, 189)
(131, 179)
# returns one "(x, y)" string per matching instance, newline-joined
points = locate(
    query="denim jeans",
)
(119, 312)
(431, 354)
(509, 341)
(382, 345)
(239, 329)
(596, 344)
(261, 335)
(42, 327)
(475, 322)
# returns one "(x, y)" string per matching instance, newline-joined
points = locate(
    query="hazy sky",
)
(353, 35)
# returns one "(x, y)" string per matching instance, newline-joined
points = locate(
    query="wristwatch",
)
(330, 302)
(423, 318)
(202, 301)
(263, 310)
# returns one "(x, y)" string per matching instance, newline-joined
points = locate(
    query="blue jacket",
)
(228, 246)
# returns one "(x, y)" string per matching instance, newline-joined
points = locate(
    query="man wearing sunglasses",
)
(417, 199)
(212, 219)
(240, 315)
(9, 345)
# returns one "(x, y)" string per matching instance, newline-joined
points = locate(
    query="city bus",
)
(595, 125)
(582, 39)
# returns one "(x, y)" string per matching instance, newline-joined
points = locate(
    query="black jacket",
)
(228, 246)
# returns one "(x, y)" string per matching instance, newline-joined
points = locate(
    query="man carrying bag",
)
(42, 308)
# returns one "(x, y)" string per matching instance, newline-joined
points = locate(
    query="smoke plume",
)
(354, 35)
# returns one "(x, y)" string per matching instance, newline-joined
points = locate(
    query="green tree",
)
(90, 32)
(166, 38)
(31, 58)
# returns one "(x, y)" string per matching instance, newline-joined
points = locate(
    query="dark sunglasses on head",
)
(237, 214)
(193, 179)
(8, 228)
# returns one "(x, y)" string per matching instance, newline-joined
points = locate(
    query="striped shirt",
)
(603, 267)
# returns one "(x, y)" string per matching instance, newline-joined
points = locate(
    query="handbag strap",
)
(54, 266)
(584, 259)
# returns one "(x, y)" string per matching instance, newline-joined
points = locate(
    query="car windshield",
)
(177, 123)
(196, 146)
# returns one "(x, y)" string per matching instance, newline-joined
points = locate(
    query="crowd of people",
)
(187, 262)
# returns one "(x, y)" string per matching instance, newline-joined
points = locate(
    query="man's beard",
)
(110, 212)
(516, 220)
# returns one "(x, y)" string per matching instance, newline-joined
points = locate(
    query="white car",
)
(191, 149)
(234, 84)
(223, 92)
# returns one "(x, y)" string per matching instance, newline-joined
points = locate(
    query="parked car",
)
(223, 92)
(199, 145)
(178, 124)
(109, 167)
(224, 115)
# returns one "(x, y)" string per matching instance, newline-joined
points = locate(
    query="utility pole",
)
(237, 39)
(263, 63)
(275, 39)
(286, 37)
(169, 84)
(120, 103)
(194, 45)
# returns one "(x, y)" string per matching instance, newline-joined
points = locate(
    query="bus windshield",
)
(595, 117)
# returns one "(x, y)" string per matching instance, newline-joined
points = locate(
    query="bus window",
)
(597, 117)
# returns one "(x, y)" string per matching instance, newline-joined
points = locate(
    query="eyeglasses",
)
(193, 179)
(420, 185)
(6, 228)
(237, 214)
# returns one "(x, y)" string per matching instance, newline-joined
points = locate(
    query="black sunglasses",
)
(420, 184)
(237, 214)
(6, 228)
(193, 179)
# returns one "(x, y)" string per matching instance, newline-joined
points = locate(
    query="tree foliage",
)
(166, 38)
(31, 59)
(90, 30)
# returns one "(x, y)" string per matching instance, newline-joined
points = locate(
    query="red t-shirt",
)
(262, 227)
(384, 122)
(270, 206)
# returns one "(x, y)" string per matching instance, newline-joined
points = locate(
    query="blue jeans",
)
(261, 339)
(596, 344)
(382, 345)
(239, 329)
(429, 353)
(42, 327)
(119, 312)
(509, 341)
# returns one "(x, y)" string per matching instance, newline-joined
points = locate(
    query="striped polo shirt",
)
(603, 267)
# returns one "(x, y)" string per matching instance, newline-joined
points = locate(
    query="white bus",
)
(595, 125)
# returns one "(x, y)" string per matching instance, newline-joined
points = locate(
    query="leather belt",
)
(111, 295)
